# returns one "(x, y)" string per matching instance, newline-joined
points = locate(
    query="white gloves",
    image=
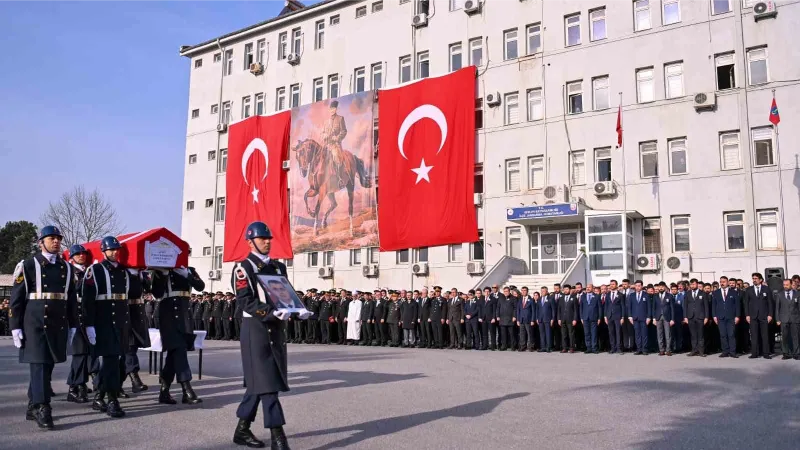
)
(70, 336)
(134, 272)
(305, 314)
(182, 271)
(91, 335)
(17, 334)
(282, 314)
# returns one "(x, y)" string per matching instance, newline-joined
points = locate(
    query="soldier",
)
(325, 315)
(43, 318)
(106, 316)
(393, 319)
(438, 316)
(341, 318)
(216, 314)
(208, 319)
(227, 319)
(79, 347)
(379, 321)
(174, 287)
(139, 336)
(313, 322)
(197, 312)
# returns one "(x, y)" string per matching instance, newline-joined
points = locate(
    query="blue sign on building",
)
(542, 211)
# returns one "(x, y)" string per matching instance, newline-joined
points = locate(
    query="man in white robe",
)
(354, 320)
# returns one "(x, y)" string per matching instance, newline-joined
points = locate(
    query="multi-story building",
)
(699, 178)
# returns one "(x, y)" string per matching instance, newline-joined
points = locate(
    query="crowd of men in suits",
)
(729, 316)
(218, 314)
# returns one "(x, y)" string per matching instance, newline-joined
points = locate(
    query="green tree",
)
(17, 242)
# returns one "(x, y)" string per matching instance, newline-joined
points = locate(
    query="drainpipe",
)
(216, 178)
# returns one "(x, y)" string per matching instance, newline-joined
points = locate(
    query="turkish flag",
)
(427, 163)
(256, 184)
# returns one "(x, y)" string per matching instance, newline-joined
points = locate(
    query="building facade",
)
(702, 185)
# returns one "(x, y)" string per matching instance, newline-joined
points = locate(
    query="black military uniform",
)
(313, 322)
(438, 315)
(216, 314)
(227, 319)
(341, 319)
(197, 314)
(208, 320)
(379, 318)
(139, 336)
(325, 315)
(393, 320)
(367, 310)
(79, 348)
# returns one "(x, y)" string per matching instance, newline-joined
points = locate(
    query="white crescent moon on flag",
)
(255, 144)
(421, 112)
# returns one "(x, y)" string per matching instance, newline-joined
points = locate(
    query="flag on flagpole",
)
(619, 125)
(774, 116)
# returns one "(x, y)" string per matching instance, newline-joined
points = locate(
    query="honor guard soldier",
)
(105, 314)
(43, 318)
(79, 348)
(174, 287)
(262, 342)
(139, 336)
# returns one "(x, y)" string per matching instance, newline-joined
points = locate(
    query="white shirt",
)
(51, 257)
(263, 258)
(79, 266)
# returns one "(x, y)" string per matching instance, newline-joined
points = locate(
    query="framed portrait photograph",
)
(281, 293)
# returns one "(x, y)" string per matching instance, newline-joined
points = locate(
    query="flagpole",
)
(780, 193)
(624, 171)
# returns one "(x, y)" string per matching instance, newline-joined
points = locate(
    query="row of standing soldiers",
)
(220, 316)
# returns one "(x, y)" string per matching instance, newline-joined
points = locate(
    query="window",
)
(283, 44)
(218, 258)
(361, 11)
(294, 95)
(195, 113)
(478, 113)
(206, 251)
(512, 175)
(578, 167)
(209, 202)
(280, 99)
(313, 259)
(377, 75)
(672, 12)
(767, 229)
(420, 254)
(319, 90)
(260, 104)
(228, 62)
(597, 22)
(734, 230)
(601, 94)
(377, 7)
(651, 236)
(327, 258)
(455, 57)
(220, 214)
(192, 159)
(423, 7)
(476, 248)
(212, 155)
(248, 56)
(648, 158)
(355, 257)
(720, 6)
(673, 77)
(454, 253)
(217, 57)
(246, 107)
(261, 51)
(534, 33)
(535, 111)
(214, 109)
(405, 69)
(757, 66)
(319, 34)
(726, 71)
(729, 151)
(423, 65)
(678, 164)
(575, 97)
(190, 206)
(641, 15)
(535, 172)
(477, 178)
(510, 45)
(373, 255)
(222, 162)
(359, 84)
(476, 51)
(198, 63)
(334, 20)
(573, 29)
(401, 256)
(762, 146)
(226, 112)
(297, 40)
(512, 108)
(680, 234)
(644, 85)
(602, 164)
(514, 242)
(333, 86)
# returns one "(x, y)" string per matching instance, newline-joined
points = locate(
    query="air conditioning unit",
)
(420, 20)
(680, 263)
(493, 99)
(256, 68)
(370, 270)
(472, 6)
(325, 272)
(419, 268)
(764, 10)
(647, 262)
(286, 164)
(556, 194)
(705, 100)
(293, 59)
(605, 189)
(214, 274)
(478, 199)
(475, 268)
(222, 127)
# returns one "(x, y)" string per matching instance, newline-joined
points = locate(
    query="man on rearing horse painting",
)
(332, 136)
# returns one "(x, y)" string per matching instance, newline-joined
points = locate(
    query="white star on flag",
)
(255, 194)
(422, 172)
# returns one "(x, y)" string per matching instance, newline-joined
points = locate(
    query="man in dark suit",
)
(725, 309)
(489, 324)
(567, 317)
(677, 311)
(367, 312)
(759, 307)
(696, 307)
(614, 310)
(590, 316)
(545, 319)
(505, 318)
(455, 317)
(525, 318)
(438, 316)
(472, 311)
(787, 315)
(639, 315)
(425, 331)
(664, 317)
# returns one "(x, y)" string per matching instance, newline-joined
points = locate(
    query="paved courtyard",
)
(382, 398)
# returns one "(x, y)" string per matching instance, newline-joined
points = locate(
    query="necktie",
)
(788, 297)
(758, 290)
(639, 297)
(724, 294)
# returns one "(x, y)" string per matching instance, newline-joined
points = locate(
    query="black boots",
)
(72, 395)
(243, 435)
(113, 408)
(99, 404)
(279, 441)
(136, 383)
(188, 394)
(163, 396)
(29, 413)
(43, 416)
(122, 393)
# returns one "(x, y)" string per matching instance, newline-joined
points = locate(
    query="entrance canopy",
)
(552, 214)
